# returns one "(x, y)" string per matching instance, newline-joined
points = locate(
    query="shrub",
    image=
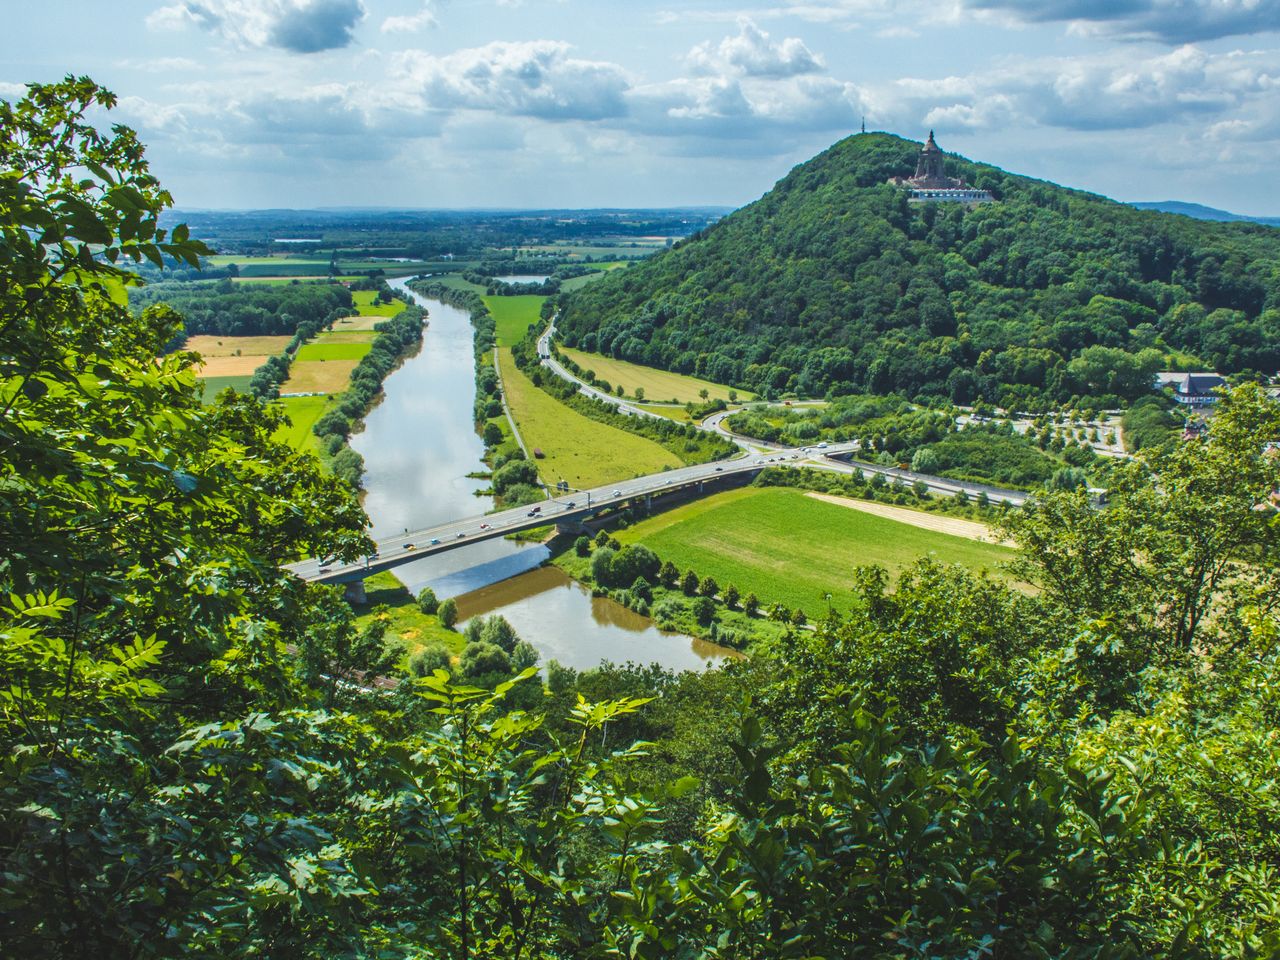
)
(427, 600)
(689, 583)
(483, 660)
(448, 613)
(430, 659)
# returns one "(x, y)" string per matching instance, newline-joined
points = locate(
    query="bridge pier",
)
(354, 593)
(648, 504)
(570, 528)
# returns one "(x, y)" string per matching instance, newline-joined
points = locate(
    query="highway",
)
(562, 507)
(827, 456)
(577, 505)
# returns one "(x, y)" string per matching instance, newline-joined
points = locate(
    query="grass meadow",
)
(404, 621)
(215, 385)
(365, 306)
(303, 412)
(324, 350)
(787, 547)
(513, 315)
(578, 449)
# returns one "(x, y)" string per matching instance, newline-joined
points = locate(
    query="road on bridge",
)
(575, 506)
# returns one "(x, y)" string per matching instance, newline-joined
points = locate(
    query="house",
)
(1192, 389)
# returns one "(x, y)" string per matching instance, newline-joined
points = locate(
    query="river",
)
(418, 446)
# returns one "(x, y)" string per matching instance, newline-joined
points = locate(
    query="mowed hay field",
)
(785, 546)
(319, 376)
(208, 345)
(578, 449)
(513, 315)
(345, 335)
(233, 357)
(350, 324)
(659, 385)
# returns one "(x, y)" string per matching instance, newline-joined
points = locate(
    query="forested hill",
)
(832, 282)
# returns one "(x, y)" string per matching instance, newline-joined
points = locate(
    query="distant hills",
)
(1200, 212)
(832, 283)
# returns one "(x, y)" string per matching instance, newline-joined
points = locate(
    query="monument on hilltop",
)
(931, 183)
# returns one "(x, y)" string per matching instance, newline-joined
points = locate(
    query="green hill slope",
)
(832, 282)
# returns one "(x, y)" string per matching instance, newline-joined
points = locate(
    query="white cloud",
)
(753, 54)
(413, 22)
(1112, 91)
(299, 26)
(534, 78)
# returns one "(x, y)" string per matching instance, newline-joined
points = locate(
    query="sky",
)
(644, 103)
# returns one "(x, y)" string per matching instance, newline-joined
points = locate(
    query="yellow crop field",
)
(576, 448)
(231, 366)
(326, 376)
(658, 385)
(208, 345)
(357, 323)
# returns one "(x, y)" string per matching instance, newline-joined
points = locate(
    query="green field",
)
(405, 622)
(678, 414)
(318, 350)
(215, 385)
(303, 412)
(367, 308)
(455, 281)
(658, 385)
(513, 315)
(226, 259)
(785, 546)
(573, 283)
(577, 448)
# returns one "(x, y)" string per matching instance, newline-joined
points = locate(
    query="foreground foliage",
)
(201, 758)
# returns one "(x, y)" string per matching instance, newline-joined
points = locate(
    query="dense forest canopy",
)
(832, 283)
(228, 309)
(195, 764)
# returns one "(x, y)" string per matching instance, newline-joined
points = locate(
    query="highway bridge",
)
(568, 509)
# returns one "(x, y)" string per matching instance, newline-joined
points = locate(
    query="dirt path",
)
(969, 529)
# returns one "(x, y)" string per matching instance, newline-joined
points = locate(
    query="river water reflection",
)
(418, 446)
